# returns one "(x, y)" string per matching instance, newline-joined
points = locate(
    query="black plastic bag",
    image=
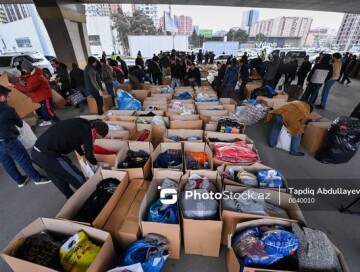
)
(342, 141)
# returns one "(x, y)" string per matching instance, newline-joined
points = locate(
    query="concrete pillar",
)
(65, 22)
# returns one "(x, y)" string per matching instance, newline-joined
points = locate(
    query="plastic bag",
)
(237, 152)
(158, 120)
(254, 112)
(284, 140)
(129, 268)
(270, 179)
(78, 253)
(162, 213)
(341, 142)
(26, 136)
(183, 96)
(201, 209)
(88, 169)
(126, 101)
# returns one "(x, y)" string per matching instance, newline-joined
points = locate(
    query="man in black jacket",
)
(244, 75)
(303, 71)
(123, 66)
(63, 77)
(154, 70)
(61, 139)
(176, 73)
(165, 64)
(11, 149)
(194, 75)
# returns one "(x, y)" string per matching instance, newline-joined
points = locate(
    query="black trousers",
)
(242, 88)
(99, 102)
(60, 170)
(157, 79)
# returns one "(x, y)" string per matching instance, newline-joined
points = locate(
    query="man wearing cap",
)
(11, 149)
(40, 92)
(61, 139)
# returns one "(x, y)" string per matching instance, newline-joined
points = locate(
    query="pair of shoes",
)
(319, 107)
(45, 123)
(23, 182)
(43, 180)
(300, 154)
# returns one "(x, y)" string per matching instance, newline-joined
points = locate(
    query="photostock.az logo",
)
(164, 196)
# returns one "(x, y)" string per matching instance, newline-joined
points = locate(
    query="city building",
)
(97, 10)
(15, 12)
(249, 18)
(220, 33)
(3, 19)
(349, 32)
(321, 37)
(185, 25)
(292, 31)
(114, 8)
(196, 28)
(150, 10)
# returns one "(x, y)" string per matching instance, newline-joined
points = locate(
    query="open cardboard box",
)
(211, 126)
(140, 172)
(275, 102)
(123, 223)
(108, 103)
(74, 205)
(172, 232)
(279, 199)
(111, 113)
(184, 89)
(122, 86)
(209, 107)
(171, 111)
(186, 124)
(119, 118)
(128, 126)
(59, 101)
(30, 119)
(105, 259)
(226, 137)
(168, 96)
(207, 103)
(316, 117)
(198, 147)
(183, 133)
(158, 88)
(140, 94)
(146, 86)
(166, 80)
(189, 104)
(251, 86)
(202, 237)
(205, 88)
(187, 117)
(93, 117)
(162, 148)
(254, 168)
(314, 136)
(158, 106)
(139, 133)
(205, 115)
(149, 119)
(156, 98)
(229, 104)
(157, 112)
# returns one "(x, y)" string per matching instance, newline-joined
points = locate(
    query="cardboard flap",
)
(177, 124)
(157, 112)
(184, 117)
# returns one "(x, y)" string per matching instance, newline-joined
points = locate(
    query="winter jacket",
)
(8, 120)
(175, 70)
(164, 62)
(64, 77)
(304, 69)
(231, 78)
(92, 79)
(140, 62)
(351, 66)
(153, 67)
(319, 73)
(36, 85)
(195, 74)
(124, 67)
(108, 74)
(77, 78)
(336, 68)
(244, 72)
(271, 70)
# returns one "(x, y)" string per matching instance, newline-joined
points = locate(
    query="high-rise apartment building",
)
(15, 12)
(114, 8)
(349, 32)
(185, 25)
(249, 18)
(150, 10)
(3, 19)
(97, 10)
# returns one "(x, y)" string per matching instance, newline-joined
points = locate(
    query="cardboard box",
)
(209, 107)
(205, 88)
(275, 102)
(118, 135)
(149, 119)
(105, 259)
(128, 126)
(251, 86)
(138, 134)
(254, 74)
(230, 218)
(211, 127)
(171, 111)
(156, 112)
(74, 205)
(207, 103)
(254, 169)
(202, 237)
(166, 80)
(123, 223)
(30, 119)
(314, 136)
(108, 103)
(157, 88)
(59, 101)
(190, 124)
(158, 106)
(93, 117)
(187, 117)
(140, 94)
(124, 87)
(226, 137)
(146, 86)
(229, 104)
(198, 147)
(171, 232)
(119, 118)
(162, 148)
(316, 117)
(111, 113)
(168, 96)
(183, 133)
(205, 115)
(136, 173)
(184, 89)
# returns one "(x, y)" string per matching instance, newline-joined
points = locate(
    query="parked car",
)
(221, 58)
(299, 54)
(10, 61)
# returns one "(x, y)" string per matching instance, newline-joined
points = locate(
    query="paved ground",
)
(21, 206)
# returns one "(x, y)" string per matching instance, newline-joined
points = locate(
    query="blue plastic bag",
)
(161, 213)
(183, 96)
(271, 91)
(270, 179)
(126, 101)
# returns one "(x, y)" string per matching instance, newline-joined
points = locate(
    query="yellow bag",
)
(78, 253)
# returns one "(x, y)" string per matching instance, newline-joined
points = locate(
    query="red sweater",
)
(37, 86)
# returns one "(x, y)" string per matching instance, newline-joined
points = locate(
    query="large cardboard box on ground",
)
(108, 103)
(198, 147)
(128, 126)
(166, 80)
(316, 117)
(156, 112)
(314, 136)
(105, 259)
(146, 86)
(187, 117)
(171, 111)
(168, 96)
(162, 148)
(140, 94)
(254, 169)
(184, 133)
(136, 173)
(275, 102)
(18, 100)
(205, 115)
(30, 119)
(123, 223)
(172, 232)
(74, 205)
(124, 87)
(233, 264)
(251, 86)
(202, 237)
(157, 88)
(209, 107)
(229, 104)
(59, 101)
(279, 199)
(112, 113)
(186, 124)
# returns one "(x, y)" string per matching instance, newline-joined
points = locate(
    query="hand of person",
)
(101, 92)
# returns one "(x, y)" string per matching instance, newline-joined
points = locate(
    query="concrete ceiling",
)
(346, 6)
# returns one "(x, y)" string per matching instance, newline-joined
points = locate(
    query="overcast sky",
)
(223, 18)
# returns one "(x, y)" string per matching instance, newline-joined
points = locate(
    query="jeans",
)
(175, 82)
(99, 102)
(275, 132)
(325, 92)
(47, 110)
(11, 151)
(311, 93)
(110, 89)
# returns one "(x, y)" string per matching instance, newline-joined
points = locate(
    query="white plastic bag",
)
(27, 136)
(284, 140)
(129, 268)
(88, 169)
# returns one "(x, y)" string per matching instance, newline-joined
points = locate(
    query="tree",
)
(195, 39)
(239, 35)
(260, 37)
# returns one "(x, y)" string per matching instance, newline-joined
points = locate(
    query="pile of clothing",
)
(203, 97)
(180, 106)
(183, 96)
(188, 139)
(98, 150)
(264, 178)
(196, 160)
(203, 208)
(167, 90)
(144, 136)
(97, 201)
(134, 159)
(237, 152)
(126, 101)
(164, 213)
(251, 112)
(171, 159)
(115, 127)
(252, 202)
(72, 254)
(230, 125)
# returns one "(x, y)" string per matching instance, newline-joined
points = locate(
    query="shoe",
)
(297, 154)
(348, 82)
(43, 180)
(22, 183)
(45, 123)
(319, 107)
